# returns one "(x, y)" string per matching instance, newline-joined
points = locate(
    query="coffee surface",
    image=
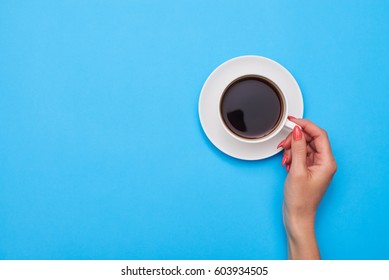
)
(251, 107)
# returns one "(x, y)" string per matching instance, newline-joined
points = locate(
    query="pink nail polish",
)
(297, 133)
(288, 167)
(281, 144)
(284, 159)
(291, 118)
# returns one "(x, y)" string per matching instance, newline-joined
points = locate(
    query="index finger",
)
(322, 144)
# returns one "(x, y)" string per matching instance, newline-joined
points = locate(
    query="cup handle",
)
(289, 126)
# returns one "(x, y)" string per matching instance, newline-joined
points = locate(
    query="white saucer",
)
(213, 88)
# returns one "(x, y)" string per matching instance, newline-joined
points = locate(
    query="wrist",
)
(299, 226)
(302, 244)
(300, 231)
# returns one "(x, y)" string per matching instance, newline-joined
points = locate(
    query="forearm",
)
(304, 247)
(302, 244)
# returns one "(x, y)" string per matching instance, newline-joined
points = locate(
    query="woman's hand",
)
(311, 166)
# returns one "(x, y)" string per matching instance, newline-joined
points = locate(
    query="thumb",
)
(299, 151)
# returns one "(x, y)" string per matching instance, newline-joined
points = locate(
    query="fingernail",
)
(297, 134)
(288, 167)
(291, 118)
(284, 159)
(281, 143)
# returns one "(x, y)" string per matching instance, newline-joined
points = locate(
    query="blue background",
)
(102, 155)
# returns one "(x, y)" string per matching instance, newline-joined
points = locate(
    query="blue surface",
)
(101, 151)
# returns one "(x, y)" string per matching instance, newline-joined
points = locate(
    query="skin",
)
(311, 164)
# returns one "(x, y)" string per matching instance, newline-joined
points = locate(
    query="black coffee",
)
(251, 107)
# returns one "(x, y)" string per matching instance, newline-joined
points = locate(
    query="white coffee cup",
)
(283, 124)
